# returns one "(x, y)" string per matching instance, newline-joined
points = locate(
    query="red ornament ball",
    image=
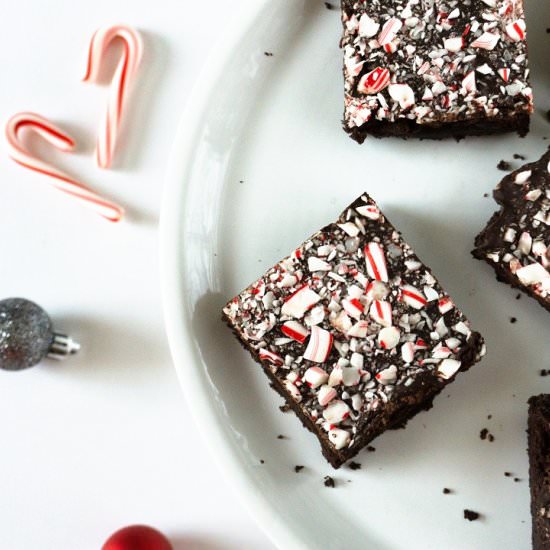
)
(137, 537)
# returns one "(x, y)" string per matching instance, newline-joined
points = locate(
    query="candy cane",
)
(120, 85)
(63, 142)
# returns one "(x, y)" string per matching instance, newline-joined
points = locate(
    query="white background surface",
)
(104, 440)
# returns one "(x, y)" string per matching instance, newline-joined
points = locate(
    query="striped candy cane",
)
(61, 181)
(120, 85)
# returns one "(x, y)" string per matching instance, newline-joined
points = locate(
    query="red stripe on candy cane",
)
(294, 330)
(319, 345)
(62, 181)
(271, 357)
(376, 262)
(121, 83)
(389, 30)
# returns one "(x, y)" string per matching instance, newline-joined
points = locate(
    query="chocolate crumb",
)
(446, 491)
(516, 479)
(548, 30)
(281, 436)
(241, 181)
(543, 372)
(268, 54)
(485, 195)
(483, 434)
(298, 468)
(371, 449)
(519, 157)
(505, 166)
(491, 438)
(513, 320)
(284, 408)
(354, 465)
(470, 515)
(508, 474)
(489, 416)
(329, 6)
(518, 296)
(329, 482)
(262, 461)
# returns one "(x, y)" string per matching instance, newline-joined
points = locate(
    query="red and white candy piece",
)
(319, 345)
(445, 304)
(469, 82)
(335, 412)
(516, 30)
(353, 307)
(376, 262)
(62, 181)
(315, 377)
(487, 41)
(403, 94)
(389, 30)
(374, 82)
(325, 395)
(448, 367)
(387, 376)
(121, 83)
(271, 357)
(299, 302)
(293, 390)
(369, 211)
(381, 312)
(388, 337)
(295, 330)
(339, 438)
(504, 74)
(413, 297)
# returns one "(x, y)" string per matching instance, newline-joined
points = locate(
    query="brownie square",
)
(539, 469)
(516, 240)
(435, 69)
(354, 331)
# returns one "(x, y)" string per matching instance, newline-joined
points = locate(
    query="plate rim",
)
(177, 324)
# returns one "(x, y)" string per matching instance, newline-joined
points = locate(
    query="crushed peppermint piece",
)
(319, 345)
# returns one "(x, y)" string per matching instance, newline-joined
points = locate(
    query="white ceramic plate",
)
(260, 162)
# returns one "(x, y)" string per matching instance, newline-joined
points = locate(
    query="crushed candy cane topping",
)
(349, 335)
(517, 240)
(432, 62)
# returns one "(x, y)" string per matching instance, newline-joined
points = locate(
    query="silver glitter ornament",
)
(27, 335)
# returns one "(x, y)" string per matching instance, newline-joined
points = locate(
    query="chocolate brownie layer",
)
(354, 331)
(435, 69)
(516, 240)
(539, 469)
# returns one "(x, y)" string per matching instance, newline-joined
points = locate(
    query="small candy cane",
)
(120, 84)
(63, 142)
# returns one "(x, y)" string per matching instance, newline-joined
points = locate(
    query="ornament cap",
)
(62, 346)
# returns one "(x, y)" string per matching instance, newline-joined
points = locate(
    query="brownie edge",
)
(539, 469)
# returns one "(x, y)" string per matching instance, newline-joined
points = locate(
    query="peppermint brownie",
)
(516, 240)
(432, 68)
(539, 469)
(354, 331)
